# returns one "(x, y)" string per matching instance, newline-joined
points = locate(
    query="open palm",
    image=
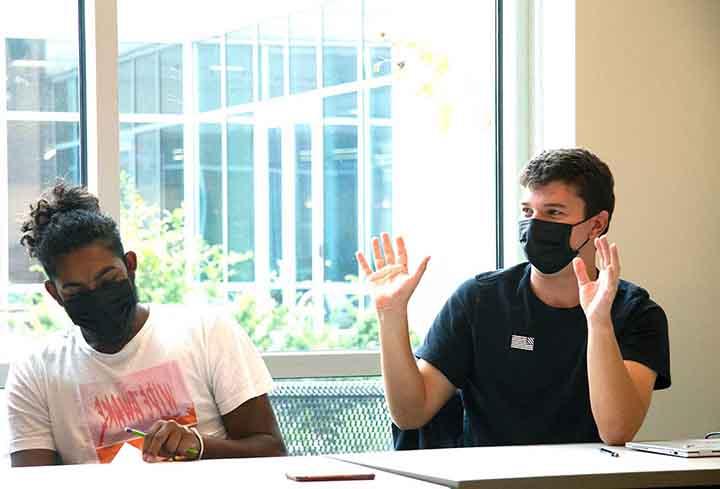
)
(597, 296)
(390, 284)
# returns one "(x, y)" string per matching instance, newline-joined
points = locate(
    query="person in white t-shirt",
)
(191, 381)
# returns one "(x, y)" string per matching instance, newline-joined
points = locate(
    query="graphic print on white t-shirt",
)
(136, 400)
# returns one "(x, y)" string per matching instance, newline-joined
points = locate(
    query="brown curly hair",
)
(64, 219)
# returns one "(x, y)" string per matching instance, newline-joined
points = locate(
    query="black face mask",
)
(547, 244)
(108, 312)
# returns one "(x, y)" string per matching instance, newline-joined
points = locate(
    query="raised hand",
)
(596, 297)
(391, 285)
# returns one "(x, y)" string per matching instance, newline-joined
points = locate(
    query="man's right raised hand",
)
(391, 285)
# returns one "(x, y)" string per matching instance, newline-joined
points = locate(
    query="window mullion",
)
(102, 103)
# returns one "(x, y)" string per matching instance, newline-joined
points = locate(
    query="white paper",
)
(128, 454)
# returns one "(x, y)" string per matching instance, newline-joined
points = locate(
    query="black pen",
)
(607, 450)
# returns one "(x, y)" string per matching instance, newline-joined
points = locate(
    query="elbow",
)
(405, 426)
(617, 437)
(407, 422)
(278, 448)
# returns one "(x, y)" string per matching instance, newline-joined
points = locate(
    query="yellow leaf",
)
(445, 117)
(426, 89)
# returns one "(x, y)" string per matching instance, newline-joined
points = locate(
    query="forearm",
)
(616, 405)
(257, 445)
(404, 386)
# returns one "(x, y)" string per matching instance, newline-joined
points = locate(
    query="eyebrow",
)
(552, 204)
(98, 275)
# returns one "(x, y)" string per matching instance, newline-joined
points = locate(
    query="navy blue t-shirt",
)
(535, 391)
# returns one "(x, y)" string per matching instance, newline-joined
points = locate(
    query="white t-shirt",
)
(182, 365)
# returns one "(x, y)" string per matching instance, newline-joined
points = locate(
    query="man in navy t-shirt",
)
(557, 350)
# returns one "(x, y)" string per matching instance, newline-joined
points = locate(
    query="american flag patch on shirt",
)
(522, 342)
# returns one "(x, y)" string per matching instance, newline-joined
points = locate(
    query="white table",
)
(544, 466)
(265, 473)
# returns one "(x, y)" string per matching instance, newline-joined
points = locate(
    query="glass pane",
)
(381, 180)
(340, 180)
(275, 186)
(152, 163)
(210, 191)
(303, 202)
(380, 62)
(125, 87)
(341, 35)
(273, 35)
(147, 170)
(241, 200)
(171, 80)
(339, 65)
(240, 67)
(147, 86)
(296, 52)
(38, 154)
(207, 57)
(344, 105)
(172, 167)
(304, 29)
(303, 68)
(42, 75)
(381, 102)
(127, 152)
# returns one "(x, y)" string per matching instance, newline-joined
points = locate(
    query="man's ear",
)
(131, 262)
(600, 224)
(53, 291)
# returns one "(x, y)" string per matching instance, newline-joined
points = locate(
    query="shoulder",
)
(494, 283)
(631, 299)
(202, 325)
(488, 288)
(36, 360)
(503, 277)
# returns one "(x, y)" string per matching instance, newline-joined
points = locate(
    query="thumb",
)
(580, 271)
(415, 278)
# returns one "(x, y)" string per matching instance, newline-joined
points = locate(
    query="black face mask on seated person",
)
(547, 244)
(108, 311)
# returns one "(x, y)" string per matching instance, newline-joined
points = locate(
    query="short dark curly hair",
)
(66, 218)
(578, 167)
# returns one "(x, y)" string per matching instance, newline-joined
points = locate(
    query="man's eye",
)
(526, 212)
(108, 280)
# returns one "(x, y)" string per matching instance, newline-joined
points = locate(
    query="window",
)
(261, 147)
(40, 141)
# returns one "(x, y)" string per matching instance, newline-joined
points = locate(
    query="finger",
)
(605, 251)
(159, 439)
(415, 279)
(388, 249)
(598, 249)
(402, 252)
(385, 273)
(150, 435)
(379, 262)
(362, 261)
(615, 258)
(580, 271)
(170, 448)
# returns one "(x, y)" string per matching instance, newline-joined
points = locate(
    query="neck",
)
(560, 289)
(141, 315)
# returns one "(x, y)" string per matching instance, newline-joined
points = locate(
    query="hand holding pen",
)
(169, 440)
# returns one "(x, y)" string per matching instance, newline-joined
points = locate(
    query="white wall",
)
(648, 103)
